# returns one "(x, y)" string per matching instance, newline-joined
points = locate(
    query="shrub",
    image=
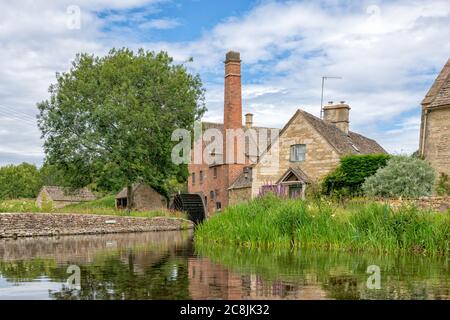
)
(19, 181)
(402, 177)
(443, 185)
(347, 179)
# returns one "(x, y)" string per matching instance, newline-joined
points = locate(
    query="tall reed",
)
(270, 222)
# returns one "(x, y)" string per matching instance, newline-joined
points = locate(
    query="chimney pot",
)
(248, 120)
(232, 56)
(330, 102)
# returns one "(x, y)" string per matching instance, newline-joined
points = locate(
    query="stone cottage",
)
(435, 124)
(145, 198)
(60, 197)
(307, 149)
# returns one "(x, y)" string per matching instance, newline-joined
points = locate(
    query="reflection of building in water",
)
(210, 281)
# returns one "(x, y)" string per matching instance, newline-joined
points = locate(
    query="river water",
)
(165, 265)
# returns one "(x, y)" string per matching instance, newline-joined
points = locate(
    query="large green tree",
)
(109, 119)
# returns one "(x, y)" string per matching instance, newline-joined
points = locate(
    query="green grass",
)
(102, 206)
(271, 222)
(18, 205)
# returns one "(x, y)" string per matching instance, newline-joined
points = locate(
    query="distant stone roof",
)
(353, 143)
(220, 127)
(439, 93)
(66, 194)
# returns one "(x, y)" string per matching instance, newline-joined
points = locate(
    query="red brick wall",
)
(227, 173)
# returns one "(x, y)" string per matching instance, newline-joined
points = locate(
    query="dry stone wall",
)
(14, 225)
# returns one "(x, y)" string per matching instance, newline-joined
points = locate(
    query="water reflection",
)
(165, 265)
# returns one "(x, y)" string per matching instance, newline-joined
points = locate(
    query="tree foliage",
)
(349, 176)
(109, 120)
(402, 176)
(19, 181)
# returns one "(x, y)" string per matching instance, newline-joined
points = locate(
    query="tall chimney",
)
(248, 120)
(232, 118)
(338, 114)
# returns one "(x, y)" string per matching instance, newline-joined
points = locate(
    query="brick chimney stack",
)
(233, 98)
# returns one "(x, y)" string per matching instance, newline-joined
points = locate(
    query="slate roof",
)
(353, 143)
(242, 182)
(443, 97)
(65, 194)
(439, 93)
(220, 127)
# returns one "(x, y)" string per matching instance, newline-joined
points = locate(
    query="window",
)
(215, 172)
(298, 152)
(193, 177)
(201, 176)
(211, 194)
(218, 206)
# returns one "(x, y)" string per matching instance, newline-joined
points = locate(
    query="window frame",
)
(193, 178)
(291, 152)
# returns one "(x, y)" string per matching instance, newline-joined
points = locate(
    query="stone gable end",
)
(320, 158)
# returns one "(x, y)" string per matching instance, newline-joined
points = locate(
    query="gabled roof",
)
(297, 172)
(65, 194)
(242, 181)
(439, 92)
(351, 143)
(124, 192)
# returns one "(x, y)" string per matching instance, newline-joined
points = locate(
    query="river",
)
(165, 265)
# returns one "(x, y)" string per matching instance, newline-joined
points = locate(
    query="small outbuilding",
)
(60, 197)
(145, 198)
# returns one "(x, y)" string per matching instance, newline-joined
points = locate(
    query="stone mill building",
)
(306, 149)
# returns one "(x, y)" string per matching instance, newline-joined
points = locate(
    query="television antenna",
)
(321, 96)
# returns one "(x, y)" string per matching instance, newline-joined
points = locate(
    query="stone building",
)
(435, 126)
(60, 197)
(307, 148)
(145, 198)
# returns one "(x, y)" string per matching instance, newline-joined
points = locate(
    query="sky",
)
(388, 54)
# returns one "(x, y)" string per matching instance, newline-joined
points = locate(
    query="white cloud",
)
(160, 24)
(388, 55)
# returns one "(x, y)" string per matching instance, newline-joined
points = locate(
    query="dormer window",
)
(298, 153)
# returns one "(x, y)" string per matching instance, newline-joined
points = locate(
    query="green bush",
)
(403, 176)
(19, 181)
(443, 185)
(347, 179)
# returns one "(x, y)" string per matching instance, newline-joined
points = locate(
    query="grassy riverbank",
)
(272, 222)
(102, 206)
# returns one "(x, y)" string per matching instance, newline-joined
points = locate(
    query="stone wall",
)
(239, 195)
(44, 224)
(437, 139)
(441, 204)
(147, 199)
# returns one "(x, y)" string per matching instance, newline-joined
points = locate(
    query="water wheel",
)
(192, 204)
